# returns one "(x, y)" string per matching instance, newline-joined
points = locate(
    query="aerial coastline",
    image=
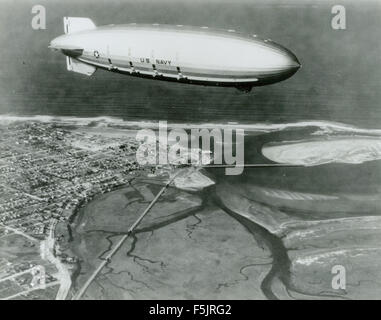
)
(72, 188)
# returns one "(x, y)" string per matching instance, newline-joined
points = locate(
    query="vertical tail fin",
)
(79, 67)
(72, 25)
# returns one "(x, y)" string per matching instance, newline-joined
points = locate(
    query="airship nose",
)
(278, 62)
(278, 59)
(292, 66)
(293, 60)
(288, 63)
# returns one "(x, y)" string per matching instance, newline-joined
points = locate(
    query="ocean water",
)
(339, 81)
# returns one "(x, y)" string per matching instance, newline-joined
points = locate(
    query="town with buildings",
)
(47, 172)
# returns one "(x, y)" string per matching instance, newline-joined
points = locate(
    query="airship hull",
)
(181, 54)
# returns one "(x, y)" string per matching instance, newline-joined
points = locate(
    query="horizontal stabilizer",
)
(79, 67)
(73, 25)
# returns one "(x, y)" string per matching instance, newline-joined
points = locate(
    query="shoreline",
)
(327, 127)
(207, 204)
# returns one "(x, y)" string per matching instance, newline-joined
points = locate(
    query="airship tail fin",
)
(72, 24)
(79, 67)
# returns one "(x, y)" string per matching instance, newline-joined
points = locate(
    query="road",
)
(107, 259)
(51, 284)
(63, 275)
(20, 233)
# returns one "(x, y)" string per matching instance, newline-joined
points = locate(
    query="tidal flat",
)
(186, 248)
(310, 245)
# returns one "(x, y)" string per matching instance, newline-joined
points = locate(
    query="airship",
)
(176, 53)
